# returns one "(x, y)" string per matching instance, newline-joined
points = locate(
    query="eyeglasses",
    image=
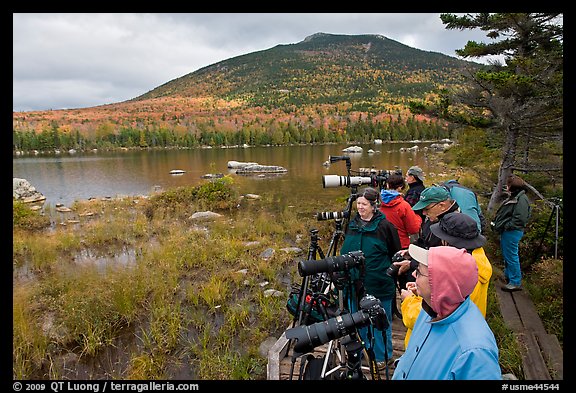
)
(429, 207)
(419, 273)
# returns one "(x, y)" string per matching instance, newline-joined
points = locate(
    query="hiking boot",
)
(511, 288)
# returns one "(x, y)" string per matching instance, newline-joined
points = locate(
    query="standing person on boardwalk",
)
(400, 214)
(415, 180)
(451, 340)
(434, 203)
(457, 230)
(510, 222)
(398, 211)
(370, 232)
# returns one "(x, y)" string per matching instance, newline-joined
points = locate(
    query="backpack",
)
(467, 201)
(318, 305)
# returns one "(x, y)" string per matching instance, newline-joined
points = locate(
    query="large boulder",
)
(239, 164)
(249, 169)
(24, 191)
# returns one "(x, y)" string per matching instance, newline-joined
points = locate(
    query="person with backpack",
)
(467, 200)
(434, 203)
(510, 222)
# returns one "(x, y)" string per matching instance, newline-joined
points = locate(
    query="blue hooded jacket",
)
(458, 344)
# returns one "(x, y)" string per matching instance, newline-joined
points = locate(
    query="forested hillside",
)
(327, 88)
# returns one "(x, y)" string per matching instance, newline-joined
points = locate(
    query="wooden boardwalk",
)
(542, 355)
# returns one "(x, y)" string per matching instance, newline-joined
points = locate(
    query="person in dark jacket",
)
(434, 203)
(415, 180)
(510, 222)
(370, 232)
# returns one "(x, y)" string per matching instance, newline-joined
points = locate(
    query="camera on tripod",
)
(319, 333)
(365, 176)
(331, 264)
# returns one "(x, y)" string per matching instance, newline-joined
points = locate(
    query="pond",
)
(67, 177)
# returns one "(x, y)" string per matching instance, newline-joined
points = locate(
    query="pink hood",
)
(453, 274)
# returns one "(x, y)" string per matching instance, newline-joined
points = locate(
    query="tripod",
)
(343, 356)
(322, 279)
(555, 212)
(314, 251)
(322, 285)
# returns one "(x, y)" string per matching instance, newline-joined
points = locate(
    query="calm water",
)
(66, 178)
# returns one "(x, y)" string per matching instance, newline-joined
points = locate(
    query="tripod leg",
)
(557, 207)
(538, 250)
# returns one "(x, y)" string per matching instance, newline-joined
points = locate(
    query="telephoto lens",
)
(319, 333)
(330, 181)
(330, 264)
(323, 216)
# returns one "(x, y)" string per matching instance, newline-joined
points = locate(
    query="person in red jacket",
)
(398, 211)
(400, 214)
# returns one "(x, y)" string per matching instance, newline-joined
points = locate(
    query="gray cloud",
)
(80, 60)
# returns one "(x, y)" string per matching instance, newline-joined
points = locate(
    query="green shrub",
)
(218, 194)
(25, 218)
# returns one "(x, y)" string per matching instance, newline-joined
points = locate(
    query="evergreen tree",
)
(524, 97)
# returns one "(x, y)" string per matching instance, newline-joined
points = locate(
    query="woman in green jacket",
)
(510, 222)
(370, 232)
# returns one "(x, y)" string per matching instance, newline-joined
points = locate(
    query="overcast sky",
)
(64, 60)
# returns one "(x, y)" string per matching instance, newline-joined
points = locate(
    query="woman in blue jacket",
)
(451, 339)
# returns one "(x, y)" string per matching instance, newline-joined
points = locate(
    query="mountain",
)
(322, 69)
(325, 88)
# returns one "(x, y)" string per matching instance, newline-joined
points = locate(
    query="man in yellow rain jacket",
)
(457, 230)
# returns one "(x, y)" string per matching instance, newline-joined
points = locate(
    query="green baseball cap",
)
(430, 195)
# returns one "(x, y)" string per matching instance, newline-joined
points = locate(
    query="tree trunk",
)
(506, 167)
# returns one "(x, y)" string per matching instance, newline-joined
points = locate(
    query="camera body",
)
(379, 176)
(392, 270)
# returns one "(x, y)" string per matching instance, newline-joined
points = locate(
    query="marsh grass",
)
(40, 253)
(546, 285)
(30, 349)
(182, 294)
